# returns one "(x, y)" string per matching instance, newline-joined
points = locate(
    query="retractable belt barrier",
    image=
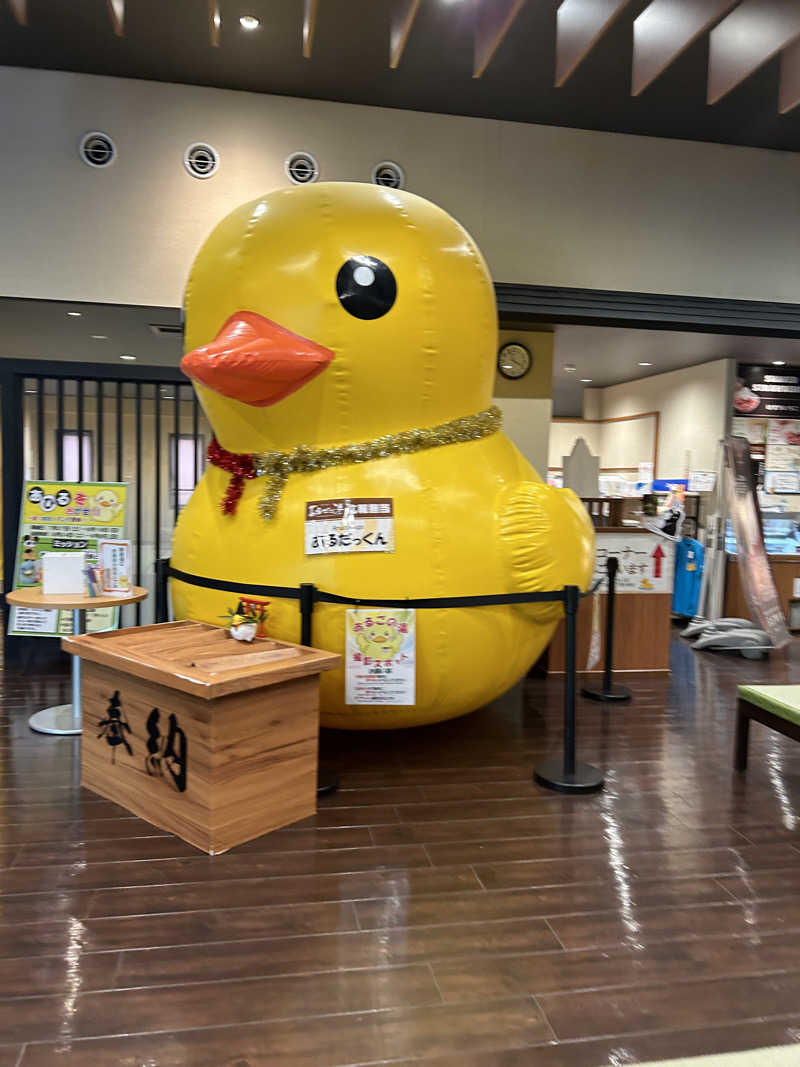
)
(561, 772)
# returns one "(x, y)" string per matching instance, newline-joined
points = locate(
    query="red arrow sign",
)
(658, 555)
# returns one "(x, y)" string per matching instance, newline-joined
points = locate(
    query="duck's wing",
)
(548, 538)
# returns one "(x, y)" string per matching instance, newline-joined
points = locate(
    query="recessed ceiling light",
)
(126, 355)
(645, 364)
(570, 367)
(99, 336)
(586, 379)
(74, 314)
(249, 22)
(779, 363)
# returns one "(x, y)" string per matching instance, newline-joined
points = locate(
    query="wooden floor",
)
(440, 907)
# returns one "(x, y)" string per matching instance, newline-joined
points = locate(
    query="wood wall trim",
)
(309, 25)
(611, 418)
(623, 418)
(579, 26)
(603, 470)
(214, 22)
(492, 24)
(402, 19)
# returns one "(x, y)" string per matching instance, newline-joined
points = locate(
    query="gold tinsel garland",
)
(277, 466)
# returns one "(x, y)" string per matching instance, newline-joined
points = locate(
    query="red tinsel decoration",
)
(238, 464)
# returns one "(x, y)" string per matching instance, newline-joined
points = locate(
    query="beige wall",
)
(526, 402)
(564, 434)
(547, 205)
(694, 406)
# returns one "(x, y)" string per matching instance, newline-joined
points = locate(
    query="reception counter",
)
(785, 570)
(643, 603)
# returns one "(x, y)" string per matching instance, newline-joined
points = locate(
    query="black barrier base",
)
(327, 781)
(613, 694)
(585, 779)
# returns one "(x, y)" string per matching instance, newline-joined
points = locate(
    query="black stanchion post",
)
(327, 778)
(162, 568)
(571, 611)
(306, 612)
(609, 692)
(563, 773)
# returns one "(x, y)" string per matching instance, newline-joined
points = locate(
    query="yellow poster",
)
(380, 656)
(64, 517)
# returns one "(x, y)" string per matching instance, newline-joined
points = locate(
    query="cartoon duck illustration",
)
(106, 505)
(30, 566)
(342, 340)
(381, 637)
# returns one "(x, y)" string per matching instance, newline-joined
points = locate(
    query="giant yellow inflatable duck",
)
(342, 342)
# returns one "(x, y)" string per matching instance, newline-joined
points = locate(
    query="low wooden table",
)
(775, 706)
(209, 738)
(66, 718)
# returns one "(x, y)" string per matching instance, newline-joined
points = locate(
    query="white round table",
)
(66, 718)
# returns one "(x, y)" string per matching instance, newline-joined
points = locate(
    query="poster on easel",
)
(64, 517)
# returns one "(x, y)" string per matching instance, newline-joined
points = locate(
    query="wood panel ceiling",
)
(714, 70)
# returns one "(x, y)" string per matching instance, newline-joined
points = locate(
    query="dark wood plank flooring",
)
(440, 908)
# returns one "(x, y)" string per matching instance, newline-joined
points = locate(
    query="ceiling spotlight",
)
(99, 336)
(126, 355)
(645, 364)
(249, 22)
(779, 363)
(74, 314)
(586, 380)
(569, 367)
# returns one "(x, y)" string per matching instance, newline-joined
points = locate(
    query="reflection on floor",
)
(439, 907)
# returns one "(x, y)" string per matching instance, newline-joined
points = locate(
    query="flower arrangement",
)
(246, 620)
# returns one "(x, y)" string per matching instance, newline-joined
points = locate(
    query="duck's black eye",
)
(366, 287)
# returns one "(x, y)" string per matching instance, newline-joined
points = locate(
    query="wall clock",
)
(514, 360)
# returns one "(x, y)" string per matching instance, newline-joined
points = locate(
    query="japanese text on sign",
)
(363, 524)
(380, 657)
(64, 517)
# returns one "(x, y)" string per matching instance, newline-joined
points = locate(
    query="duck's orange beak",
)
(255, 360)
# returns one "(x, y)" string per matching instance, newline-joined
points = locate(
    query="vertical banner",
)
(380, 656)
(64, 517)
(754, 569)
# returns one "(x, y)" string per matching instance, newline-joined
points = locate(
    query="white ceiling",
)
(610, 355)
(42, 329)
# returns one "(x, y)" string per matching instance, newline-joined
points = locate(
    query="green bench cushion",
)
(781, 700)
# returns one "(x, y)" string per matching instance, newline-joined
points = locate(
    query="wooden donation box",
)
(209, 738)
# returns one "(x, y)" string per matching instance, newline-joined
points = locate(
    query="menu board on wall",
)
(766, 391)
(755, 430)
(783, 445)
(766, 411)
(782, 482)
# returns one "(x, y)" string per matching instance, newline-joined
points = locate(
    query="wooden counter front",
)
(643, 603)
(196, 733)
(641, 634)
(784, 568)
